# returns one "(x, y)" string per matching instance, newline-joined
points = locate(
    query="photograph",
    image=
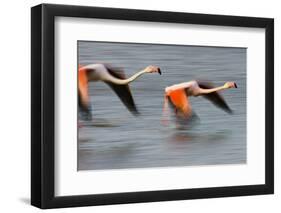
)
(143, 105)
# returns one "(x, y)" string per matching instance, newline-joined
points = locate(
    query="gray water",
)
(119, 140)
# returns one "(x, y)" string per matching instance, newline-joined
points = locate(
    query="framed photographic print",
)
(139, 106)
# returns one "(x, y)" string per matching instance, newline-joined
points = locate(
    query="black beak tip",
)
(235, 85)
(159, 71)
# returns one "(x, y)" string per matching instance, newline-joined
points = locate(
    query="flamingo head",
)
(152, 69)
(230, 85)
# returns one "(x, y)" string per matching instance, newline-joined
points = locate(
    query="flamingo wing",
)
(178, 100)
(179, 103)
(214, 97)
(122, 91)
(83, 96)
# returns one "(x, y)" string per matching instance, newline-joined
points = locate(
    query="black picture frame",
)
(43, 105)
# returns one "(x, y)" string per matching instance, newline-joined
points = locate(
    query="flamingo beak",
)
(235, 85)
(159, 71)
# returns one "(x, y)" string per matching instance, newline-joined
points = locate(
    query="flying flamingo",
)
(178, 97)
(115, 78)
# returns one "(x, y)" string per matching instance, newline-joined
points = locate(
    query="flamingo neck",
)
(126, 81)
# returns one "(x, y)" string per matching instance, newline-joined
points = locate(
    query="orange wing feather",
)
(83, 86)
(179, 100)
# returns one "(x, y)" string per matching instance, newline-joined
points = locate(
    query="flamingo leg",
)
(165, 114)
